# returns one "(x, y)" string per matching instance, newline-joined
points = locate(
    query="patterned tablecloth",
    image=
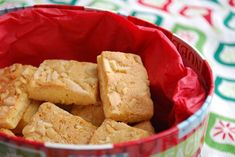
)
(209, 25)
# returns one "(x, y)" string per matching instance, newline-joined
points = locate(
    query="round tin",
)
(182, 140)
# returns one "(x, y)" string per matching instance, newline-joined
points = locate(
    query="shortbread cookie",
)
(65, 82)
(124, 87)
(115, 132)
(28, 114)
(6, 131)
(91, 113)
(13, 96)
(146, 125)
(53, 124)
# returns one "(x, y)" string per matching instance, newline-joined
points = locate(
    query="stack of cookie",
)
(75, 102)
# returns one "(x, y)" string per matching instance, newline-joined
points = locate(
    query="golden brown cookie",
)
(115, 132)
(124, 87)
(91, 113)
(13, 96)
(146, 125)
(65, 82)
(53, 124)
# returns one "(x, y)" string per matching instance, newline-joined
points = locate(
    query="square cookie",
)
(146, 125)
(91, 113)
(124, 87)
(115, 132)
(65, 82)
(13, 96)
(53, 124)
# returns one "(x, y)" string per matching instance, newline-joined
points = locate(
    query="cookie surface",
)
(65, 82)
(146, 125)
(13, 96)
(53, 124)
(91, 113)
(115, 132)
(124, 87)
